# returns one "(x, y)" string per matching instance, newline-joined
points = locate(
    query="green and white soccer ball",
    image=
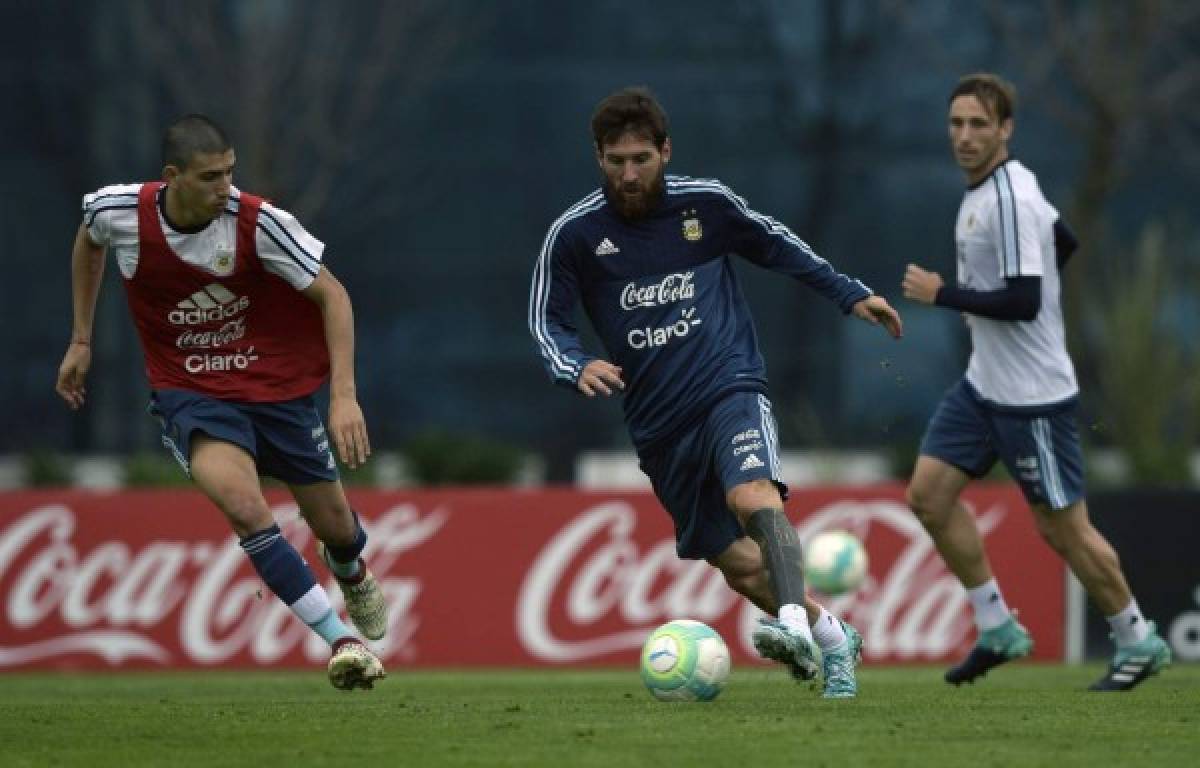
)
(835, 562)
(685, 660)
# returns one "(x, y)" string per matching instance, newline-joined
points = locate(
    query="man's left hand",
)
(876, 311)
(349, 431)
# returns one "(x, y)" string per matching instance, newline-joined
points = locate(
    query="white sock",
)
(828, 631)
(1129, 626)
(315, 610)
(795, 618)
(990, 609)
(312, 606)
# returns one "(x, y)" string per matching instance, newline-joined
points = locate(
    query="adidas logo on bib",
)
(751, 462)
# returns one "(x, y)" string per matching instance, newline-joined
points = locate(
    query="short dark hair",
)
(996, 94)
(629, 110)
(191, 135)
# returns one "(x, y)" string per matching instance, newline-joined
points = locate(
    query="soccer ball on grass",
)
(835, 562)
(685, 660)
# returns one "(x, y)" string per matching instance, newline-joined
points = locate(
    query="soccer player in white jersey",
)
(240, 322)
(1017, 402)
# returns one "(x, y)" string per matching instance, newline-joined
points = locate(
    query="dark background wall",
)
(430, 144)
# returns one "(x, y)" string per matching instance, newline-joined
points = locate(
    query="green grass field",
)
(1023, 715)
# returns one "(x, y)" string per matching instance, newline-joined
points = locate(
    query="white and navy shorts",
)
(1039, 446)
(734, 442)
(287, 440)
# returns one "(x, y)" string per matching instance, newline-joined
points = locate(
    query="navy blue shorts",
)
(287, 440)
(735, 442)
(1039, 446)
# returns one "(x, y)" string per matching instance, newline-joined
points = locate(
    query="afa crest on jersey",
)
(223, 261)
(692, 230)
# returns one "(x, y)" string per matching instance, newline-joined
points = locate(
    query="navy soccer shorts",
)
(733, 443)
(1039, 446)
(287, 440)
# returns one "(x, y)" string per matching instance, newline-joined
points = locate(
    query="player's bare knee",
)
(748, 497)
(1057, 530)
(930, 510)
(247, 512)
(1053, 537)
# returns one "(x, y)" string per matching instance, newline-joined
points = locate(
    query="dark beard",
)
(637, 207)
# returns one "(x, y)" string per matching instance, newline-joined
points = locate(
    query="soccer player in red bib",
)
(240, 323)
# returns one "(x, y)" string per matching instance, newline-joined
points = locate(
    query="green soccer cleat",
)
(364, 599)
(354, 666)
(838, 666)
(776, 642)
(1134, 663)
(995, 646)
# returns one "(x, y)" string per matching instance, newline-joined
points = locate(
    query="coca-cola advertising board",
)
(499, 577)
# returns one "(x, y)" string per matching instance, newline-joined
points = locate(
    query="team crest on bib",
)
(223, 261)
(692, 230)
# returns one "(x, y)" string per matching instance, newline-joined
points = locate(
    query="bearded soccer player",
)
(240, 323)
(1017, 402)
(650, 256)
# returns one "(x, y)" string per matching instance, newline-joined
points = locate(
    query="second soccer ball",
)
(835, 562)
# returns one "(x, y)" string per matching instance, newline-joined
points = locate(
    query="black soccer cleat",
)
(976, 665)
(1135, 663)
(997, 645)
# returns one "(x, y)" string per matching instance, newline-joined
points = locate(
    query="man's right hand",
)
(921, 284)
(600, 377)
(72, 372)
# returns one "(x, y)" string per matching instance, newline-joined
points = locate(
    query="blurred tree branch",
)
(1132, 76)
(1149, 383)
(302, 82)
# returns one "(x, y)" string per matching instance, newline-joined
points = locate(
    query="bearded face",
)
(634, 170)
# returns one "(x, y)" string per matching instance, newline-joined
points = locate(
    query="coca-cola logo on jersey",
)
(113, 600)
(668, 290)
(226, 334)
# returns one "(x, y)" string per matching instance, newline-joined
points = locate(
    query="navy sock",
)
(289, 577)
(279, 564)
(343, 561)
(351, 552)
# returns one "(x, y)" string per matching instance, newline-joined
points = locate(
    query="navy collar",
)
(991, 173)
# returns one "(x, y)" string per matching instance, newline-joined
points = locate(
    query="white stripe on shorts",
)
(178, 454)
(1043, 435)
(770, 437)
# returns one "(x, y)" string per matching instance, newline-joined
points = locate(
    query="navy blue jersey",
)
(663, 297)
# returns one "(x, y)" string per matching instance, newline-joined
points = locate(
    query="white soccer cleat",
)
(364, 600)
(776, 642)
(354, 666)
